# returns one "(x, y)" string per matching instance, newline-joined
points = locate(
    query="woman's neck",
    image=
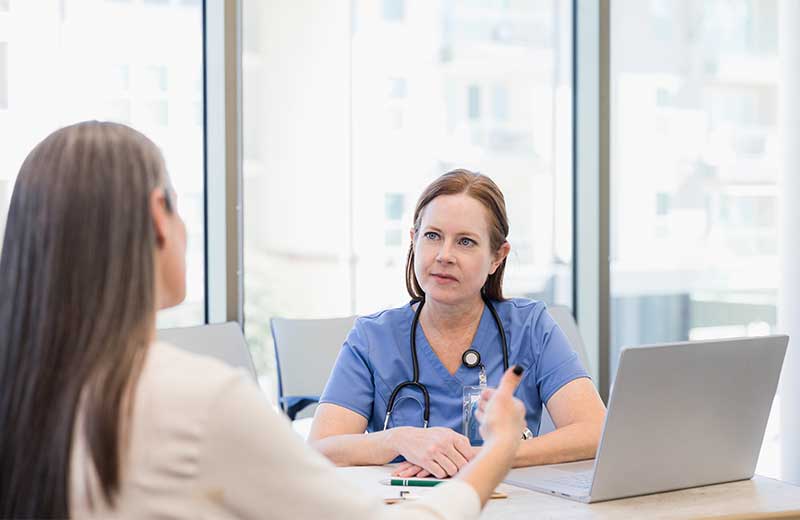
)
(449, 318)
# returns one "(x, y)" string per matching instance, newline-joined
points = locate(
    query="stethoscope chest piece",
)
(471, 358)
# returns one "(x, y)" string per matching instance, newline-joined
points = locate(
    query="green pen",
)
(417, 482)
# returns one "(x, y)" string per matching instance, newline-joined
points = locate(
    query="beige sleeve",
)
(254, 466)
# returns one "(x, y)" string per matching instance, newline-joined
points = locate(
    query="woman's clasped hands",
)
(442, 452)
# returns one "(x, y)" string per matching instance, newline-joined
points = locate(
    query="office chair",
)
(566, 322)
(223, 341)
(305, 351)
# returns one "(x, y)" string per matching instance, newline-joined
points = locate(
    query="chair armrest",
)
(293, 404)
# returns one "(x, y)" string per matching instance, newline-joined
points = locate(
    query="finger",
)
(448, 465)
(458, 459)
(435, 469)
(510, 380)
(422, 473)
(464, 447)
(487, 394)
(479, 415)
(403, 467)
(409, 471)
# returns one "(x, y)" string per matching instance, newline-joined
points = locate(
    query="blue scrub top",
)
(376, 357)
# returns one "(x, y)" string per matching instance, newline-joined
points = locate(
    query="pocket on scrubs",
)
(408, 411)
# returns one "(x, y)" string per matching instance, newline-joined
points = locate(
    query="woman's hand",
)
(502, 416)
(502, 420)
(409, 470)
(440, 452)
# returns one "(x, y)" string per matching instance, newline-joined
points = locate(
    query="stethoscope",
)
(471, 359)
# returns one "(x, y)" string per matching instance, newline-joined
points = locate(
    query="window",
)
(500, 103)
(155, 78)
(397, 88)
(394, 10)
(335, 158)
(126, 79)
(394, 203)
(474, 102)
(120, 78)
(694, 175)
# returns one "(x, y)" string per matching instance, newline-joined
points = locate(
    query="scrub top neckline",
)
(457, 380)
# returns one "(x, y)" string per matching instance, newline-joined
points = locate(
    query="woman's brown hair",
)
(77, 279)
(484, 190)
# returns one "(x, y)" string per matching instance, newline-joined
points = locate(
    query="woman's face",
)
(452, 251)
(171, 252)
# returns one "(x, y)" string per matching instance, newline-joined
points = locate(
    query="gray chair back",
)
(562, 315)
(223, 341)
(305, 352)
(566, 321)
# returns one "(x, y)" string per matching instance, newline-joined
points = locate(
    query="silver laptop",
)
(680, 415)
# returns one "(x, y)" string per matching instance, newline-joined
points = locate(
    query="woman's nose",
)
(445, 254)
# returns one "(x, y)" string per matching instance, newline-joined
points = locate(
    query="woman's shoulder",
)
(385, 317)
(179, 409)
(521, 307)
(165, 356)
(178, 376)
(531, 315)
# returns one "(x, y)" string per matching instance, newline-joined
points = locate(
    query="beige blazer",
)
(205, 443)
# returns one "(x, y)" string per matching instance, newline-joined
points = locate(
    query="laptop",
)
(680, 415)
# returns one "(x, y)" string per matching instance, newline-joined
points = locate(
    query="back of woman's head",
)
(77, 283)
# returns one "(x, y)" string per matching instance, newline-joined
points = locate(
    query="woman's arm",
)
(502, 419)
(338, 433)
(340, 421)
(578, 414)
(252, 464)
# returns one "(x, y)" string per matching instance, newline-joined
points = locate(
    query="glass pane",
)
(695, 174)
(376, 99)
(71, 60)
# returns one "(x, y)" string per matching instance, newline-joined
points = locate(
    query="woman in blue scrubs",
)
(454, 275)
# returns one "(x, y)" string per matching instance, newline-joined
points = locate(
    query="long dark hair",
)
(77, 279)
(484, 190)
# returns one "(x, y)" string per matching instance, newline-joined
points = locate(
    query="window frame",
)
(222, 113)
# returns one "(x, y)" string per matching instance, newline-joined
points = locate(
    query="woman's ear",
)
(500, 255)
(411, 234)
(159, 211)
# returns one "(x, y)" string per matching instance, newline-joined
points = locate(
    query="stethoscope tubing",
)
(414, 382)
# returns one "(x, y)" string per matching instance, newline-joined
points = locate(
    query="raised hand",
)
(500, 413)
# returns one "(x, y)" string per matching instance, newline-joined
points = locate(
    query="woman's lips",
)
(444, 277)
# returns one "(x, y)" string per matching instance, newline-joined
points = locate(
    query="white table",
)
(758, 495)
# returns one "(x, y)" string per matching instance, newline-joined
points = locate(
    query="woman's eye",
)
(430, 235)
(466, 242)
